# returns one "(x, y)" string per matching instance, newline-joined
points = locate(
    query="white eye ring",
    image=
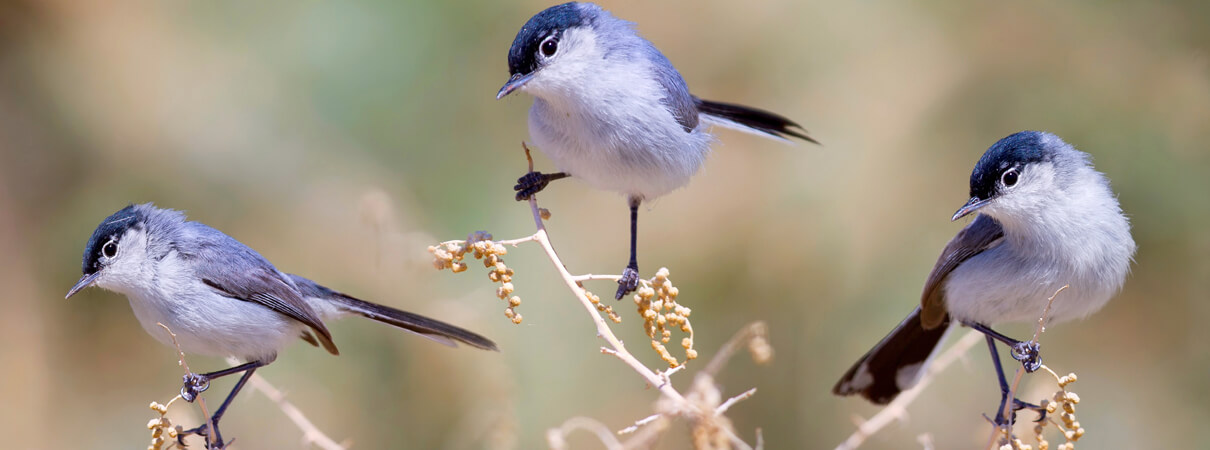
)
(1010, 177)
(549, 47)
(110, 249)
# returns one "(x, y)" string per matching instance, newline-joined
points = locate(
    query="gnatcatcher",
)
(611, 110)
(222, 298)
(1046, 219)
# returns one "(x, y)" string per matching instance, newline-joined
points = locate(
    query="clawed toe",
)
(1020, 405)
(530, 184)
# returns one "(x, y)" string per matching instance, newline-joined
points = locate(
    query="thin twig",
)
(733, 400)
(201, 402)
(557, 437)
(741, 337)
(592, 277)
(639, 423)
(616, 347)
(533, 199)
(898, 408)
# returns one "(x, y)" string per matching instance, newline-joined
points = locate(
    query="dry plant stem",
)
(201, 402)
(897, 409)
(740, 338)
(616, 347)
(557, 438)
(311, 434)
(639, 423)
(733, 400)
(1012, 390)
(591, 277)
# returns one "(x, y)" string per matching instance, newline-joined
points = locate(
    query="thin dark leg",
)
(203, 429)
(630, 277)
(1028, 352)
(991, 346)
(534, 182)
(196, 383)
(1017, 404)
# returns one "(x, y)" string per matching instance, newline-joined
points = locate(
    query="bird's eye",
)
(110, 249)
(1009, 178)
(550, 46)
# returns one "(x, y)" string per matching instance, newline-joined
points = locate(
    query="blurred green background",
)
(339, 139)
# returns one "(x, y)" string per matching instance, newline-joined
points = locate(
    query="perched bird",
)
(611, 110)
(1045, 219)
(221, 298)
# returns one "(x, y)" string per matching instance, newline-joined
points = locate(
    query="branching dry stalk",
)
(161, 428)
(1003, 435)
(164, 433)
(657, 305)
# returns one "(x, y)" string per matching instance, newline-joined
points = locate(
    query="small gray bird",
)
(611, 110)
(1046, 219)
(222, 298)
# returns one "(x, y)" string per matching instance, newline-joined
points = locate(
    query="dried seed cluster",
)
(162, 430)
(1062, 403)
(710, 431)
(656, 301)
(596, 301)
(759, 346)
(449, 255)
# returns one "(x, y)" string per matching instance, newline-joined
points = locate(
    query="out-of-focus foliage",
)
(341, 138)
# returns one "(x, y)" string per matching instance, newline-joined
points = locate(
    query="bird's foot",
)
(531, 183)
(202, 430)
(1019, 405)
(1029, 353)
(628, 283)
(194, 384)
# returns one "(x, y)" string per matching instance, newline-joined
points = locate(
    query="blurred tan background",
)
(339, 139)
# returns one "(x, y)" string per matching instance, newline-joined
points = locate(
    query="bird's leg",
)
(1017, 404)
(1028, 352)
(204, 429)
(196, 383)
(630, 276)
(533, 182)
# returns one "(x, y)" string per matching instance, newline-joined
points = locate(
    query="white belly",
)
(646, 155)
(209, 324)
(995, 287)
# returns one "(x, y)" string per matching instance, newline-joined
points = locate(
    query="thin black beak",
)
(514, 82)
(85, 281)
(971, 205)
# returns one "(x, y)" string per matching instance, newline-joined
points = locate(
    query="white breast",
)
(1085, 243)
(207, 323)
(610, 129)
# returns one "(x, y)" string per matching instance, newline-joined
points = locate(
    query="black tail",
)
(756, 119)
(894, 364)
(433, 329)
(430, 328)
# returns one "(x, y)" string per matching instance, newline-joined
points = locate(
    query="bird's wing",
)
(676, 97)
(981, 234)
(236, 271)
